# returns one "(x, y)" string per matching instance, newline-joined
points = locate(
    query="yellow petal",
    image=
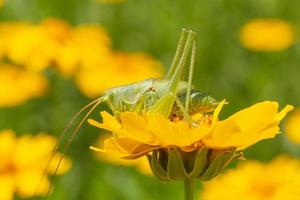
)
(124, 147)
(182, 134)
(259, 113)
(109, 122)
(7, 143)
(31, 150)
(7, 187)
(283, 112)
(292, 126)
(27, 182)
(131, 120)
(117, 146)
(185, 135)
(267, 134)
(221, 135)
(247, 127)
(217, 111)
(134, 127)
(64, 166)
(161, 128)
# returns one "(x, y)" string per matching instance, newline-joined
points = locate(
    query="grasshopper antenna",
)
(70, 139)
(54, 150)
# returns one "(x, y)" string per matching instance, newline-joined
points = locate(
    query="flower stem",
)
(189, 189)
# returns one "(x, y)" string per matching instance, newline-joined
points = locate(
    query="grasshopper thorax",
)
(139, 96)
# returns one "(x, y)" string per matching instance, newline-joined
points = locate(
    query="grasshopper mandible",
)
(174, 95)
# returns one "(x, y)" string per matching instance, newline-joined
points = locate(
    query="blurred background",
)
(59, 55)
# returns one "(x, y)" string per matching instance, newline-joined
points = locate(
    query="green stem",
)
(189, 189)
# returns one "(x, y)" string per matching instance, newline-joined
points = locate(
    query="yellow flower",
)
(136, 135)
(253, 180)
(18, 86)
(31, 47)
(141, 164)
(119, 69)
(23, 161)
(53, 41)
(1, 3)
(7, 32)
(56, 29)
(292, 126)
(267, 35)
(85, 46)
(178, 149)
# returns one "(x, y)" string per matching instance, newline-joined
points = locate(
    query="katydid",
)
(171, 95)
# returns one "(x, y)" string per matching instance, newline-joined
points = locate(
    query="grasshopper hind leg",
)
(190, 75)
(184, 109)
(181, 110)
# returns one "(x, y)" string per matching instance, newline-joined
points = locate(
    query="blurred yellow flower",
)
(136, 135)
(1, 3)
(85, 46)
(141, 164)
(18, 85)
(121, 68)
(292, 126)
(278, 180)
(23, 161)
(53, 41)
(7, 32)
(28, 45)
(83, 52)
(267, 35)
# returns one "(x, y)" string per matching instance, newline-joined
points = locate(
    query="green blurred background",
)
(224, 68)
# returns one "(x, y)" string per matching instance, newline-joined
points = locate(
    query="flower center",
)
(200, 119)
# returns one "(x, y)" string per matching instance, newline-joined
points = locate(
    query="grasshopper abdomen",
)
(200, 102)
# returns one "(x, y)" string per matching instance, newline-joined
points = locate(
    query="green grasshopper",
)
(171, 96)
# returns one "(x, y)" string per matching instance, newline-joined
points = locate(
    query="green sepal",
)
(175, 166)
(205, 164)
(200, 163)
(219, 160)
(156, 167)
